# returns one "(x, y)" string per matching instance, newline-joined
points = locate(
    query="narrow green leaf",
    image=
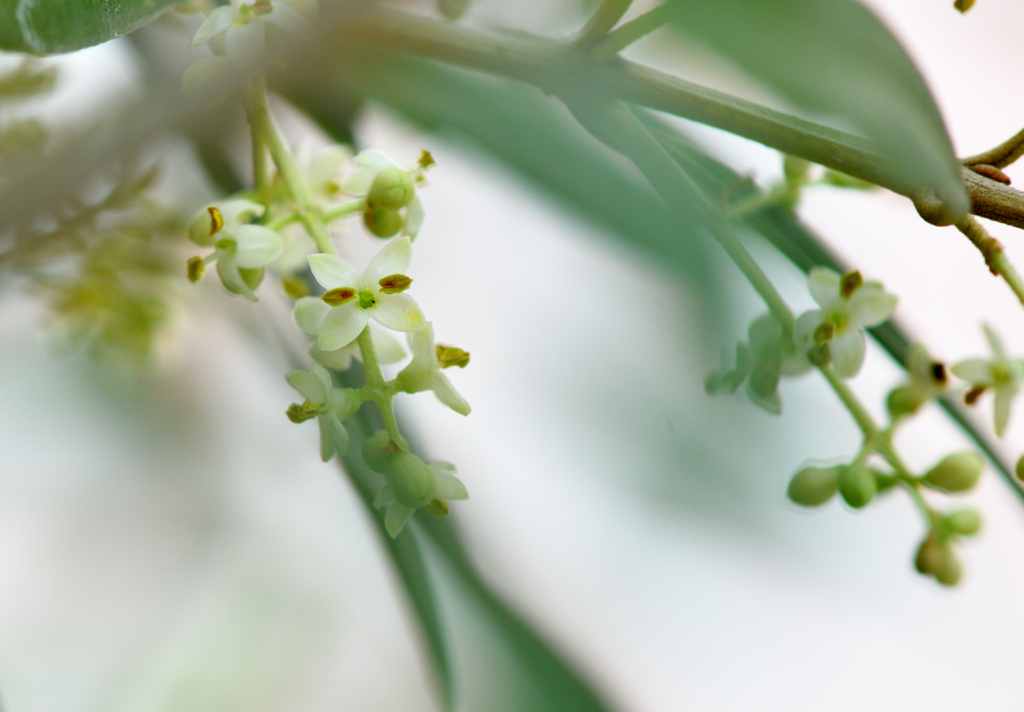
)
(834, 57)
(54, 26)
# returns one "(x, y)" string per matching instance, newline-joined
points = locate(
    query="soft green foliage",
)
(51, 26)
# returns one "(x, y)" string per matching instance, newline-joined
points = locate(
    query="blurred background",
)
(169, 541)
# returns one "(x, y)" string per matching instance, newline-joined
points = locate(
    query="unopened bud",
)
(958, 472)
(206, 223)
(813, 486)
(196, 267)
(392, 189)
(963, 522)
(449, 356)
(382, 222)
(453, 9)
(413, 481)
(294, 287)
(857, 485)
(904, 400)
(379, 450)
(937, 558)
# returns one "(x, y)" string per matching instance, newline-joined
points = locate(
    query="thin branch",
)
(602, 21)
(1002, 155)
(615, 42)
(992, 251)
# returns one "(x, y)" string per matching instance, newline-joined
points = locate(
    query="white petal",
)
(847, 351)
(976, 372)
(332, 271)
(993, 340)
(287, 18)
(245, 44)
(393, 259)
(449, 487)
(388, 349)
(321, 374)
(823, 284)
(341, 326)
(1004, 397)
(372, 158)
(235, 212)
(421, 343)
(803, 330)
(308, 385)
(326, 167)
(309, 314)
(763, 334)
(398, 514)
(227, 270)
(210, 81)
(326, 439)
(414, 216)
(870, 307)
(339, 360)
(447, 394)
(216, 22)
(358, 182)
(397, 311)
(385, 496)
(331, 426)
(258, 246)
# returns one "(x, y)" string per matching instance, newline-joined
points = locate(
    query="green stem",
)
(616, 41)
(377, 387)
(603, 20)
(779, 196)
(993, 253)
(309, 214)
(860, 414)
(334, 212)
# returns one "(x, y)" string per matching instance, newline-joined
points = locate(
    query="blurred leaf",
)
(835, 57)
(531, 133)
(53, 26)
(555, 685)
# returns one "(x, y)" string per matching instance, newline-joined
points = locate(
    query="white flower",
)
(242, 249)
(354, 298)
(381, 219)
(424, 372)
(329, 405)
(848, 304)
(1003, 375)
(441, 484)
(244, 25)
(927, 380)
(323, 173)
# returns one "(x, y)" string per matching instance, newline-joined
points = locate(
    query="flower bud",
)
(453, 9)
(963, 522)
(392, 189)
(958, 472)
(382, 222)
(206, 223)
(904, 400)
(413, 481)
(936, 558)
(378, 452)
(813, 486)
(949, 570)
(857, 485)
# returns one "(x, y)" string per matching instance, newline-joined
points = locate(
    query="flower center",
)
(338, 296)
(366, 299)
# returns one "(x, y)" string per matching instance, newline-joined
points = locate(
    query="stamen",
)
(451, 356)
(850, 283)
(338, 296)
(394, 283)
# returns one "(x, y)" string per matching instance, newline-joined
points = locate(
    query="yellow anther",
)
(437, 507)
(339, 295)
(196, 267)
(451, 356)
(216, 220)
(394, 283)
(850, 283)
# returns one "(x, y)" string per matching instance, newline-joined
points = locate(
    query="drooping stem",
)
(603, 20)
(377, 387)
(616, 41)
(264, 126)
(993, 253)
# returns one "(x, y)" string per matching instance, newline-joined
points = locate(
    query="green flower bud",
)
(813, 486)
(963, 522)
(884, 480)
(206, 223)
(857, 485)
(413, 481)
(904, 400)
(379, 450)
(958, 472)
(949, 571)
(453, 9)
(382, 222)
(929, 555)
(392, 189)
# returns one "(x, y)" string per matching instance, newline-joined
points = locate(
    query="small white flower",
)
(848, 304)
(354, 298)
(388, 350)
(242, 249)
(1003, 375)
(244, 27)
(329, 405)
(424, 371)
